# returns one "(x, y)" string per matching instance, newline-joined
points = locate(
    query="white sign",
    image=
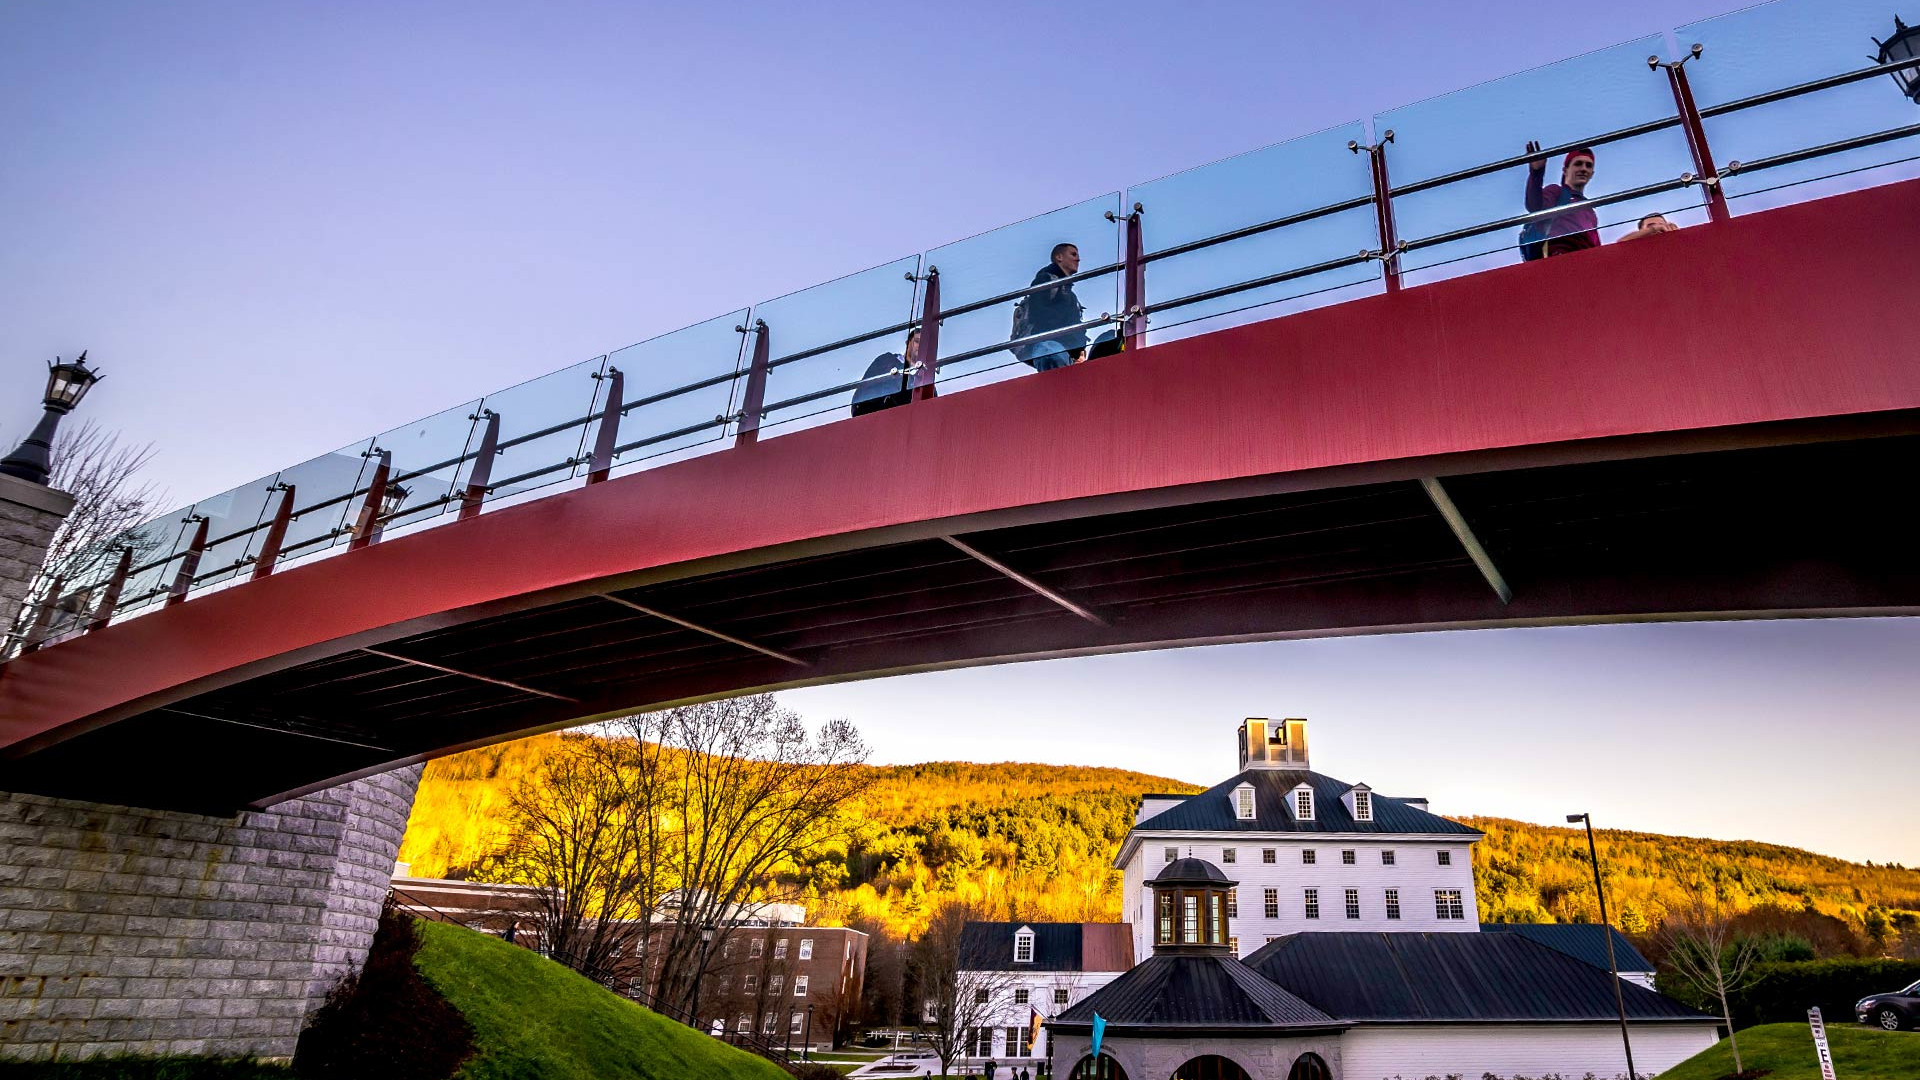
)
(1820, 1043)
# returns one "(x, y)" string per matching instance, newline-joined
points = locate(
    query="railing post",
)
(1133, 330)
(482, 470)
(1383, 208)
(609, 434)
(189, 563)
(276, 534)
(37, 632)
(1703, 166)
(367, 529)
(115, 585)
(755, 394)
(927, 356)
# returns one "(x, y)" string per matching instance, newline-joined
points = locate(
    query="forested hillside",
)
(1035, 841)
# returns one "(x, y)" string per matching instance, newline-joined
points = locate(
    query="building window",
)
(1234, 944)
(1446, 858)
(1020, 997)
(794, 1020)
(1243, 803)
(780, 949)
(1363, 806)
(726, 950)
(806, 948)
(725, 980)
(1271, 938)
(1347, 857)
(1303, 804)
(1023, 948)
(745, 1027)
(1190, 920)
(983, 1042)
(1228, 855)
(1233, 903)
(766, 1023)
(750, 984)
(1268, 855)
(1309, 856)
(1313, 903)
(1353, 903)
(755, 948)
(1386, 858)
(1170, 854)
(1216, 922)
(1393, 903)
(1446, 904)
(800, 985)
(776, 983)
(980, 996)
(1060, 995)
(1272, 898)
(1166, 919)
(1016, 1042)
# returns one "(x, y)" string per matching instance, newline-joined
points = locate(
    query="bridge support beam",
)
(146, 931)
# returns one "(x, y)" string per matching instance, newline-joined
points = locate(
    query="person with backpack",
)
(1576, 228)
(1051, 309)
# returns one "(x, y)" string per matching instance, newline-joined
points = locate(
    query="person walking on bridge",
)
(1051, 309)
(1576, 228)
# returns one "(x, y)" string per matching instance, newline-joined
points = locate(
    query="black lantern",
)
(67, 383)
(1899, 48)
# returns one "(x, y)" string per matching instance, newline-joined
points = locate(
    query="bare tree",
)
(109, 500)
(1705, 952)
(572, 835)
(962, 992)
(742, 791)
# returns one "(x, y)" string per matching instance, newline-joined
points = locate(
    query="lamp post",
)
(699, 972)
(67, 383)
(806, 1042)
(1606, 928)
(1902, 46)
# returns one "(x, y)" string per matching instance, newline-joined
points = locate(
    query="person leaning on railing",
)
(1576, 228)
(1651, 225)
(1050, 309)
(885, 383)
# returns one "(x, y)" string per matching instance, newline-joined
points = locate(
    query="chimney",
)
(1273, 744)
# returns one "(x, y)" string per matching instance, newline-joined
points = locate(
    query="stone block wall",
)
(29, 514)
(142, 931)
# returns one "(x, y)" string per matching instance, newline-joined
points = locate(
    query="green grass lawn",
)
(535, 1020)
(1859, 1053)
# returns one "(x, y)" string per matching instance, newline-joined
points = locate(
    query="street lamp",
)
(1900, 47)
(806, 1042)
(67, 383)
(1606, 930)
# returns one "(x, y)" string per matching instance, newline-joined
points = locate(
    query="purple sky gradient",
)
(280, 227)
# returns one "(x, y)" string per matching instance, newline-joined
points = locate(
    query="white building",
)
(1020, 969)
(1310, 853)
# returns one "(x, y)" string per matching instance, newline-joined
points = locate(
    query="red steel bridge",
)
(1717, 423)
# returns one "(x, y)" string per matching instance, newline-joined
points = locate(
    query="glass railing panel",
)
(235, 521)
(1790, 43)
(156, 548)
(1611, 100)
(677, 391)
(430, 457)
(326, 501)
(1008, 260)
(823, 341)
(543, 428)
(1315, 184)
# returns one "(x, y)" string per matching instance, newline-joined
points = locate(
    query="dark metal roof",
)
(1192, 872)
(1212, 809)
(1450, 977)
(988, 946)
(1194, 990)
(1582, 941)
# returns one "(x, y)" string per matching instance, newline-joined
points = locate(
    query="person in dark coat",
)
(1051, 309)
(886, 382)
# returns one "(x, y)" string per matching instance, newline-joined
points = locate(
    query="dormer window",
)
(1303, 803)
(1023, 946)
(1243, 802)
(1362, 804)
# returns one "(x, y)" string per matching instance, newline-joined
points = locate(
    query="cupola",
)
(1190, 907)
(1273, 744)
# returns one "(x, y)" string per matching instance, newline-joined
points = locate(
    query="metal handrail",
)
(1768, 97)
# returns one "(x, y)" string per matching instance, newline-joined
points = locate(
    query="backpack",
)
(1022, 324)
(1533, 235)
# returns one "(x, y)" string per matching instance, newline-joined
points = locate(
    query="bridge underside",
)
(1799, 523)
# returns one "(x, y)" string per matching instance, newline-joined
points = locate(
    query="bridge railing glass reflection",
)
(1789, 91)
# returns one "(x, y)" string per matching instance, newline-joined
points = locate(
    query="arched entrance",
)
(1309, 1067)
(1100, 1068)
(1210, 1067)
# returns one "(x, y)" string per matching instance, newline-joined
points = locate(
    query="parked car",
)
(1891, 1012)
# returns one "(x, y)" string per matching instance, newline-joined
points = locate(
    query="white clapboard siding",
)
(1381, 1053)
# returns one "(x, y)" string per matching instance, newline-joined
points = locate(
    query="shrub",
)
(1784, 992)
(386, 1022)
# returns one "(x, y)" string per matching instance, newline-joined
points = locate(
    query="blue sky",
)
(280, 227)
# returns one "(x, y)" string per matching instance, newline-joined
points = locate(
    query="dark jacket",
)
(878, 392)
(1056, 307)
